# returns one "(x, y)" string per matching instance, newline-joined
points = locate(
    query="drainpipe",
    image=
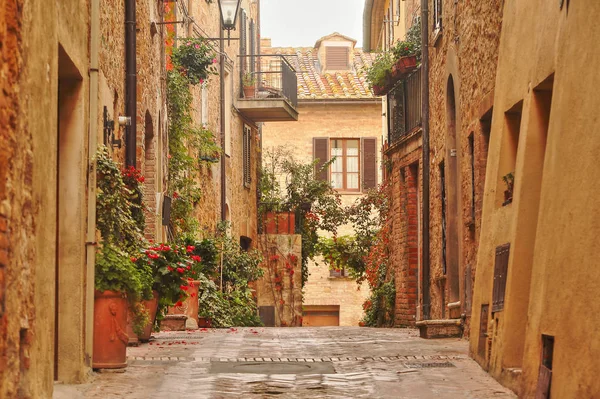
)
(426, 162)
(90, 249)
(222, 95)
(367, 15)
(130, 83)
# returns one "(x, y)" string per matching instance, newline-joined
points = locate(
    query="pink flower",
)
(188, 44)
(201, 80)
(214, 61)
(197, 46)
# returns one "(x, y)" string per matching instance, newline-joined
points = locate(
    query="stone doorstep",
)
(446, 328)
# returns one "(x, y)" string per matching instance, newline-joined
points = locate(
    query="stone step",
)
(444, 328)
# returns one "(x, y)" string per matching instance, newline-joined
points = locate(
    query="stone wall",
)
(466, 50)
(281, 284)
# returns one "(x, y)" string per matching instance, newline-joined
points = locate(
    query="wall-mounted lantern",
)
(229, 12)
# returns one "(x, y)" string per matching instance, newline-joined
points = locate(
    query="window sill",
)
(345, 278)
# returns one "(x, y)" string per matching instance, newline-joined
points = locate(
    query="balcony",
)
(269, 89)
(404, 108)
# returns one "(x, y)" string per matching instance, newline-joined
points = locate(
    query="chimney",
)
(265, 43)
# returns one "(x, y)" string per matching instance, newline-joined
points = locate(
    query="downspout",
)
(90, 249)
(130, 83)
(426, 161)
(367, 15)
(222, 95)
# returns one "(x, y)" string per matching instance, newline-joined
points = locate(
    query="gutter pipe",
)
(90, 249)
(222, 120)
(130, 83)
(426, 162)
(367, 15)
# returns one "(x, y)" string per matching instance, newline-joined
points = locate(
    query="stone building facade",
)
(241, 171)
(535, 313)
(463, 50)
(63, 63)
(335, 105)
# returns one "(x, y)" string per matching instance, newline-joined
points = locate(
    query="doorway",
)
(70, 269)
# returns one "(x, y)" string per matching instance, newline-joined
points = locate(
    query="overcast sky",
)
(300, 23)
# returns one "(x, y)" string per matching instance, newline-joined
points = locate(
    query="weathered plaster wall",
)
(552, 223)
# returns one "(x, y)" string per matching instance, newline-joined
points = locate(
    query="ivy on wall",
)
(189, 143)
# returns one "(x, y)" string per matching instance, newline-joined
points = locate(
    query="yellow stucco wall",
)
(553, 221)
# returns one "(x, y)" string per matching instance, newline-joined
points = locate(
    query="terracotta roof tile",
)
(313, 84)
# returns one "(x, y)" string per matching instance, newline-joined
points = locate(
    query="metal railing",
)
(272, 77)
(404, 107)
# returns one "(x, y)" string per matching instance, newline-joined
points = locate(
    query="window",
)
(437, 15)
(338, 272)
(355, 164)
(337, 58)
(500, 272)
(247, 144)
(345, 169)
(508, 154)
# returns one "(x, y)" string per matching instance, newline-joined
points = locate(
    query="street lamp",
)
(229, 11)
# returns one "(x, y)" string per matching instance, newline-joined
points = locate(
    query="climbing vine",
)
(189, 143)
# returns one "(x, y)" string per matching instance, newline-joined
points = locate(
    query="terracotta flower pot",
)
(152, 307)
(270, 223)
(378, 90)
(189, 307)
(110, 324)
(286, 223)
(204, 322)
(249, 91)
(406, 64)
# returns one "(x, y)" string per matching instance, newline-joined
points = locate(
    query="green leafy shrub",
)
(195, 60)
(377, 73)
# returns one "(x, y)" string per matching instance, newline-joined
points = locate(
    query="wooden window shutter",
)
(252, 45)
(336, 58)
(500, 273)
(369, 151)
(247, 146)
(321, 153)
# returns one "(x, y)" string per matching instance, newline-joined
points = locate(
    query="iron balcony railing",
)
(269, 76)
(404, 107)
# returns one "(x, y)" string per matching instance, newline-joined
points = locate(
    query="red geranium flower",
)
(179, 303)
(180, 270)
(196, 258)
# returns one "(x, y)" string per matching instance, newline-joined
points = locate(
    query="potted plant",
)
(175, 271)
(118, 285)
(249, 84)
(194, 59)
(406, 58)
(377, 73)
(509, 181)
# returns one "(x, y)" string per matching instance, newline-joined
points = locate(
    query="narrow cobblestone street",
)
(294, 363)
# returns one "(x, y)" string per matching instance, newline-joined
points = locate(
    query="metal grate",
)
(404, 107)
(500, 272)
(428, 365)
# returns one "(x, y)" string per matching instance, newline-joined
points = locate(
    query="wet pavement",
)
(329, 362)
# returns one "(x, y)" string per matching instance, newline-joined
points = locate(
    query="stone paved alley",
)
(294, 363)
